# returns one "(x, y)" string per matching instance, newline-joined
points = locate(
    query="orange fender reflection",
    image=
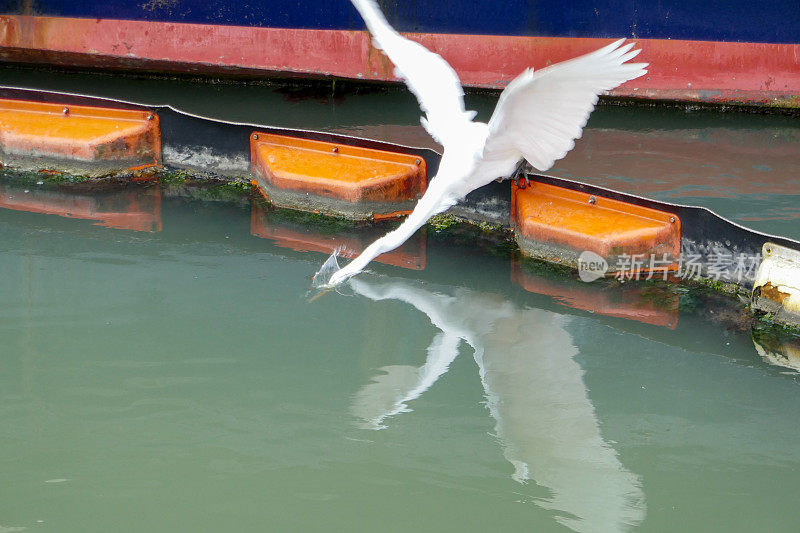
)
(138, 210)
(628, 301)
(411, 255)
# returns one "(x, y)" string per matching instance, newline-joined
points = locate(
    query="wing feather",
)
(540, 114)
(432, 80)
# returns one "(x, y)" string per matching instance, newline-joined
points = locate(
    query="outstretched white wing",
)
(540, 114)
(428, 76)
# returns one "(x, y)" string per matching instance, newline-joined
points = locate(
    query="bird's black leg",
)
(521, 172)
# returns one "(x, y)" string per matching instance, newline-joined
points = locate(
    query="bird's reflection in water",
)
(534, 390)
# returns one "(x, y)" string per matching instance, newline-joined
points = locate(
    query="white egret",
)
(538, 117)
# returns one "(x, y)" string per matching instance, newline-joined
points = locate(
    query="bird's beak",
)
(321, 293)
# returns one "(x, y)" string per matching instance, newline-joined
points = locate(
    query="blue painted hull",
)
(777, 21)
(722, 52)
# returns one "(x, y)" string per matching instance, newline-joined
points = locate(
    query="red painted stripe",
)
(682, 70)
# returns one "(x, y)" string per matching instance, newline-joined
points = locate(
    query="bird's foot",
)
(520, 174)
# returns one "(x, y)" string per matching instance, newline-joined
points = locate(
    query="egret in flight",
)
(538, 117)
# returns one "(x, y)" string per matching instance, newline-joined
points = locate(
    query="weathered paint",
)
(557, 224)
(776, 21)
(93, 137)
(350, 181)
(686, 70)
(776, 289)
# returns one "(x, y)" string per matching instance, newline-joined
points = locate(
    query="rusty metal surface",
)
(336, 178)
(335, 170)
(557, 223)
(78, 139)
(777, 285)
(700, 71)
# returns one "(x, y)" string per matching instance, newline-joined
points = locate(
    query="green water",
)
(179, 380)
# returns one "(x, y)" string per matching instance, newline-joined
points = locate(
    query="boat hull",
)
(690, 60)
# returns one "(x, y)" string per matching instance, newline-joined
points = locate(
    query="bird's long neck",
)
(435, 200)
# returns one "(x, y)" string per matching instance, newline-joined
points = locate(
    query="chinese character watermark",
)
(717, 265)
